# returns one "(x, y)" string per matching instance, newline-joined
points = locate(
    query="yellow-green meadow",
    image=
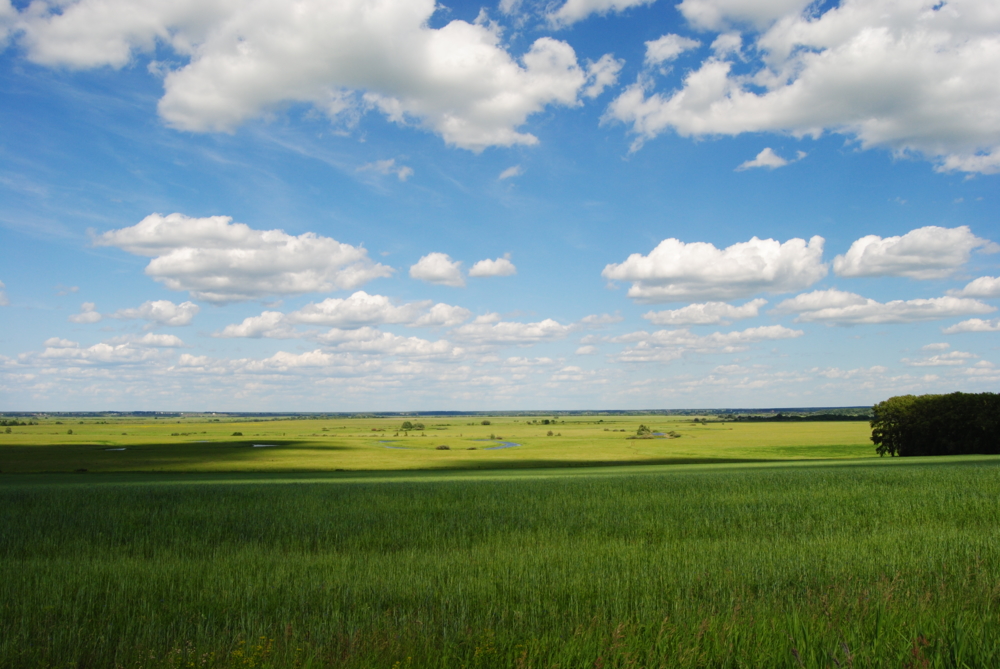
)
(440, 442)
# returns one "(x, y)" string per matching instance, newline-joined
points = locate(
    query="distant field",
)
(378, 444)
(825, 563)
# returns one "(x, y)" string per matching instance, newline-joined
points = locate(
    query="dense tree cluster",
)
(937, 424)
(783, 417)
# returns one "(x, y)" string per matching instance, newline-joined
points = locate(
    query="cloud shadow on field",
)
(153, 456)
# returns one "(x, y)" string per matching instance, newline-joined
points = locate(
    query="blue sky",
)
(392, 205)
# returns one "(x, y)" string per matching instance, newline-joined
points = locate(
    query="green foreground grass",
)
(872, 563)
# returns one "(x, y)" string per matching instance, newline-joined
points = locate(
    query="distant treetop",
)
(954, 424)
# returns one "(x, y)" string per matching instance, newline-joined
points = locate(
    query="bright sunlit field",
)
(379, 444)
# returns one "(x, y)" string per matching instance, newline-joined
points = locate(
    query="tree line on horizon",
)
(952, 424)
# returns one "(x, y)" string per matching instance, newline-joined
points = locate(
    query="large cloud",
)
(219, 261)
(930, 252)
(838, 307)
(675, 271)
(909, 75)
(344, 57)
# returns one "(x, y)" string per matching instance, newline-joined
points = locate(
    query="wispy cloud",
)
(387, 167)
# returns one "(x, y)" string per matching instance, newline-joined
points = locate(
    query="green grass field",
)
(378, 444)
(755, 545)
(884, 563)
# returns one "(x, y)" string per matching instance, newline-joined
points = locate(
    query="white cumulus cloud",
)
(599, 320)
(974, 325)
(283, 361)
(490, 329)
(706, 313)
(499, 267)
(930, 252)
(667, 345)
(769, 159)
(219, 261)
(439, 268)
(984, 286)
(727, 43)
(240, 60)
(720, 14)
(125, 350)
(576, 10)
(675, 271)
(270, 324)
(912, 76)
(601, 74)
(149, 339)
(161, 312)
(370, 341)
(58, 342)
(950, 359)
(838, 307)
(358, 310)
(443, 315)
(88, 314)
(668, 47)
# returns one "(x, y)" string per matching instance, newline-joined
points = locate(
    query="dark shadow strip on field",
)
(63, 457)
(432, 476)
